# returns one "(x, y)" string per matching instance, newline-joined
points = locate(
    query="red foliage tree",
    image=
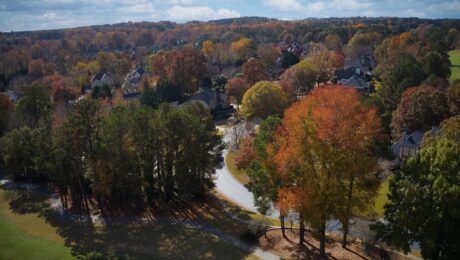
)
(254, 71)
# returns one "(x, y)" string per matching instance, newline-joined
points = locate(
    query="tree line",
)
(129, 158)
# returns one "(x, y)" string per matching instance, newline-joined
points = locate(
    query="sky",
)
(19, 15)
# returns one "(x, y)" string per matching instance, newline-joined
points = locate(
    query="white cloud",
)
(182, 13)
(137, 8)
(180, 2)
(284, 5)
(50, 15)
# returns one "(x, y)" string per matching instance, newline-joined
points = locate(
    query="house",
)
(366, 63)
(211, 99)
(207, 98)
(132, 81)
(408, 144)
(353, 77)
(101, 79)
(135, 76)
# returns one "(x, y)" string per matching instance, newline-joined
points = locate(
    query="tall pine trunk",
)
(283, 229)
(322, 240)
(302, 230)
(346, 223)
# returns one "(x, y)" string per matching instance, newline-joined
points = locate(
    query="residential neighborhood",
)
(229, 131)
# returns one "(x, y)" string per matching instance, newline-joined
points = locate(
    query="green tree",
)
(424, 203)
(162, 91)
(22, 151)
(288, 59)
(118, 178)
(302, 76)
(34, 105)
(406, 72)
(264, 99)
(6, 107)
(434, 63)
(76, 146)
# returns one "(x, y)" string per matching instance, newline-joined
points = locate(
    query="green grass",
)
(378, 210)
(30, 230)
(454, 57)
(17, 244)
(240, 175)
(27, 236)
(382, 199)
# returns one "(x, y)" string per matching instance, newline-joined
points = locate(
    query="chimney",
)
(358, 71)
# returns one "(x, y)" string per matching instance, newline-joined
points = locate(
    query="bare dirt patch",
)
(290, 249)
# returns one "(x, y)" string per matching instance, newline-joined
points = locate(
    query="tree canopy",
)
(424, 202)
(420, 109)
(264, 99)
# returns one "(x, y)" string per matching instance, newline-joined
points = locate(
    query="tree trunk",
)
(282, 226)
(346, 223)
(302, 230)
(345, 233)
(322, 241)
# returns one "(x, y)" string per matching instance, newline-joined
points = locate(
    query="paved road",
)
(227, 185)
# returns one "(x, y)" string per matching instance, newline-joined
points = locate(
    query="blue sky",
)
(18, 15)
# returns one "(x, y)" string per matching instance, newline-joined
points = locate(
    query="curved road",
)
(227, 185)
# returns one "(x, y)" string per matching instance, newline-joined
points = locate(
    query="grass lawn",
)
(18, 244)
(239, 175)
(377, 211)
(382, 198)
(30, 230)
(27, 236)
(454, 57)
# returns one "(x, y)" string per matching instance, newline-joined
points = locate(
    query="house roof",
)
(357, 82)
(206, 96)
(412, 140)
(140, 71)
(99, 76)
(345, 74)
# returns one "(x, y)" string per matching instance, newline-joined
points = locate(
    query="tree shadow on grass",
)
(133, 238)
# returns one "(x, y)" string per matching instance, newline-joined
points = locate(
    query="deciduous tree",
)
(6, 107)
(34, 105)
(405, 73)
(315, 155)
(254, 71)
(301, 76)
(264, 99)
(424, 202)
(453, 99)
(36, 69)
(236, 87)
(420, 109)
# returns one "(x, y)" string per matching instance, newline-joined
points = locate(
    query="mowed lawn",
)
(454, 57)
(27, 236)
(33, 231)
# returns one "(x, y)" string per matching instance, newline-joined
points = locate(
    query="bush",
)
(253, 231)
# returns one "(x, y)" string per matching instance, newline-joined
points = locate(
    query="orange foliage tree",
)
(183, 67)
(322, 155)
